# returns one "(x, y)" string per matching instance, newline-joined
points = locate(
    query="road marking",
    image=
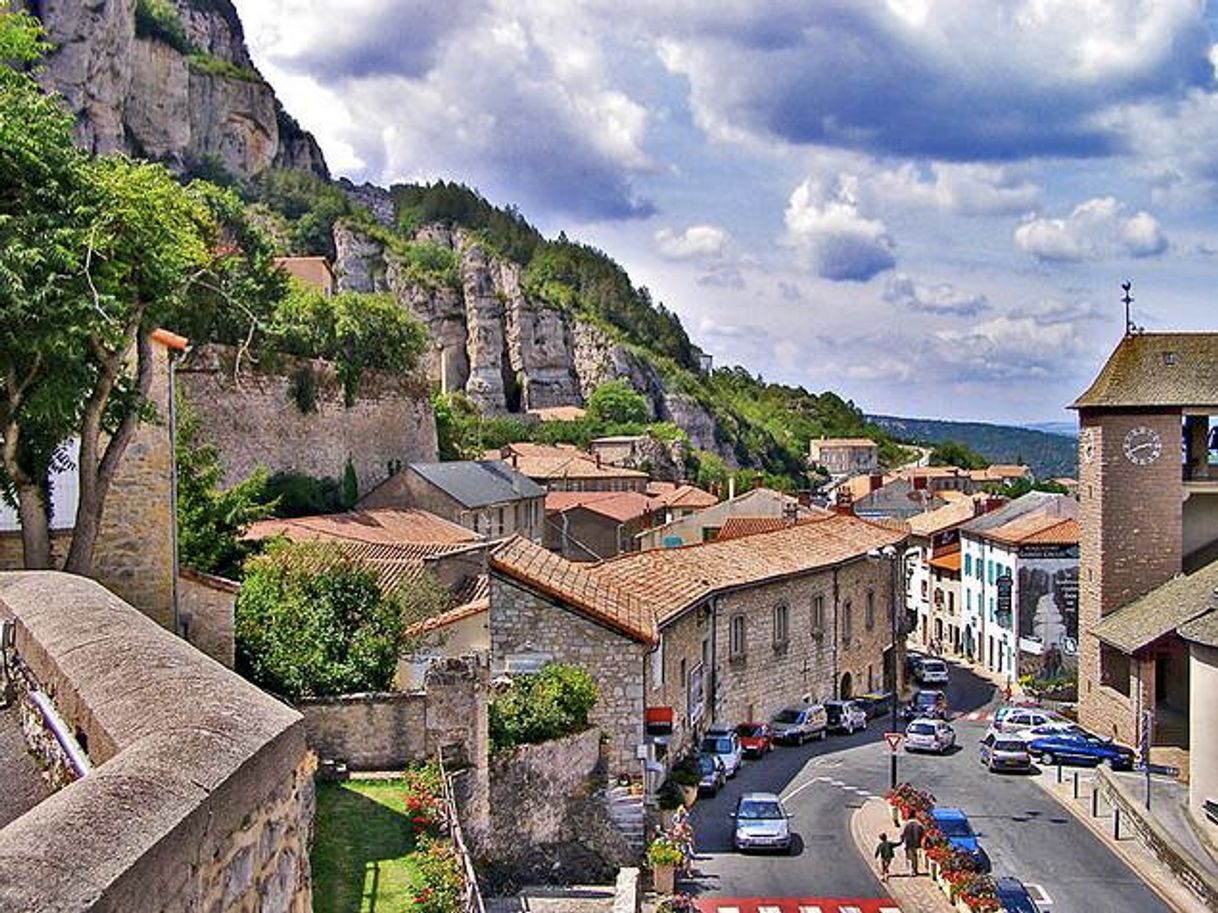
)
(1039, 894)
(805, 909)
(769, 908)
(799, 789)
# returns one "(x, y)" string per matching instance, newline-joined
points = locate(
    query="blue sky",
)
(927, 206)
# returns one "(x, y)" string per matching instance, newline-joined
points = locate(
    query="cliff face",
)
(183, 90)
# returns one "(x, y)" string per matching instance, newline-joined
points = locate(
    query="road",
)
(1024, 830)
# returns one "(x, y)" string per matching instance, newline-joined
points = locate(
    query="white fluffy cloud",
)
(841, 243)
(695, 242)
(1096, 229)
(976, 189)
(939, 298)
(1008, 348)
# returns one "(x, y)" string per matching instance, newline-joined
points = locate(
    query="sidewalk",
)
(1132, 850)
(914, 895)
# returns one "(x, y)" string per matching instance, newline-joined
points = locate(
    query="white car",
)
(932, 671)
(1017, 719)
(1055, 727)
(926, 734)
(724, 744)
(761, 822)
(845, 716)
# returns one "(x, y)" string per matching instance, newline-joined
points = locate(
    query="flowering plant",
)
(662, 852)
(677, 903)
(909, 800)
(424, 805)
(441, 878)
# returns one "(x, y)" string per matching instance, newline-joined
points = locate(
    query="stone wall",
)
(387, 731)
(202, 794)
(1203, 734)
(206, 608)
(525, 624)
(255, 422)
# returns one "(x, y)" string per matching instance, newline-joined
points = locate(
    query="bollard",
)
(1095, 799)
(1116, 822)
(1059, 771)
(1076, 784)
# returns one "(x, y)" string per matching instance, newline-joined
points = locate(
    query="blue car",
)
(1013, 896)
(1081, 748)
(960, 834)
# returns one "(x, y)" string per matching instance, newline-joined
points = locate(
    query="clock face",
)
(1086, 442)
(1143, 446)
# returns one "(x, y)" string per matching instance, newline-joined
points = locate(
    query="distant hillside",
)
(1067, 429)
(1049, 455)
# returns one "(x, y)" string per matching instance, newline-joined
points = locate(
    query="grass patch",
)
(361, 855)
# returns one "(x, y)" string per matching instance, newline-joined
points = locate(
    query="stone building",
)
(485, 496)
(719, 632)
(693, 526)
(1148, 489)
(564, 467)
(845, 456)
(589, 526)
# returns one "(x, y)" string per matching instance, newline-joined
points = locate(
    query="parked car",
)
(762, 822)
(1013, 896)
(722, 742)
(925, 734)
(1005, 752)
(798, 724)
(932, 671)
(1013, 717)
(913, 659)
(1084, 748)
(755, 739)
(925, 703)
(960, 834)
(876, 703)
(1056, 727)
(845, 716)
(712, 775)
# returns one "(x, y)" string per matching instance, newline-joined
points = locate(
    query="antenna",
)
(1131, 328)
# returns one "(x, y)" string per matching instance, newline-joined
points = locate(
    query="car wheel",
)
(1047, 759)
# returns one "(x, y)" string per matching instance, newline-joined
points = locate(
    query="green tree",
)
(211, 520)
(550, 703)
(617, 403)
(311, 621)
(953, 453)
(350, 485)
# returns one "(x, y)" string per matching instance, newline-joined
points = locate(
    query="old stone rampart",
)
(201, 797)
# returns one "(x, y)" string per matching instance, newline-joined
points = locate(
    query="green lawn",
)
(360, 859)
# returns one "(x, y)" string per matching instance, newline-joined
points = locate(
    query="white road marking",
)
(769, 908)
(806, 909)
(728, 909)
(1039, 894)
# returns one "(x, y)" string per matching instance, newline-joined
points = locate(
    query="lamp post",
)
(889, 554)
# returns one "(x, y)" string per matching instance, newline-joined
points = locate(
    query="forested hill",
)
(1049, 455)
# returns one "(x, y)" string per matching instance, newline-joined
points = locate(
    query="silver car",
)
(798, 724)
(932, 672)
(762, 822)
(724, 744)
(1005, 752)
(926, 734)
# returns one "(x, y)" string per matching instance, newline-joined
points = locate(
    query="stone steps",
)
(627, 814)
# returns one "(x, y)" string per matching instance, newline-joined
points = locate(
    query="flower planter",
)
(896, 816)
(664, 878)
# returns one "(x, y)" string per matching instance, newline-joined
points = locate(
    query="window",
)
(818, 616)
(780, 624)
(847, 621)
(979, 567)
(1114, 669)
(968, 565)
(737, 643)
(968, 600)
(869, 615)
(924, 585)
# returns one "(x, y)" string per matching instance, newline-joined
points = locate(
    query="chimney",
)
(513, 459)
(731, 487)
(875, 482)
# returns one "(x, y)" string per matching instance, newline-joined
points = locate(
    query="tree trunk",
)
(97, 468)
(35, 528)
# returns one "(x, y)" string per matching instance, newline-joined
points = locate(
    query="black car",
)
(925, 703)
(876, 703)
(1013, 896)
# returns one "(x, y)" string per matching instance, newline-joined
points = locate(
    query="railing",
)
(471, 901)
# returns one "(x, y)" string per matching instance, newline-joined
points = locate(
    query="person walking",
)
(912, 836)
(884, 851)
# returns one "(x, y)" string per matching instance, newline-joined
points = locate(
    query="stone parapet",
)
(202, 794)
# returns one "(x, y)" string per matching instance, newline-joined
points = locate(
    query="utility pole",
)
(889, 554)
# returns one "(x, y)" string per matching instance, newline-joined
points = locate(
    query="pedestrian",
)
(884, 851)
(912, 836)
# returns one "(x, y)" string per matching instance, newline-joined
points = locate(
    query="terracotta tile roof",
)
(471, 599)
(1157, 369)
(170, 340)
(1185, 602)
(561, 461)
(843, 442)
(572, 583)
(949, 562)
(656, 488)
(387, 525)
(1038, 529)
(955, 512)
(621, 506)
(687, 496)
(735, 527)
(999, 473)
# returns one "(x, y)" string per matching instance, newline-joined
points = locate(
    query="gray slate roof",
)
(1157, 369)
(1170, 606)
(1046, 501)
(1202, 630)
(479, 483)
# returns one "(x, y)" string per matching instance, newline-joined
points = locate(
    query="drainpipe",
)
(173, 489)
(836, 682)
(714, 656)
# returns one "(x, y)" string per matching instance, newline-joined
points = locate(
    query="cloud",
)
(723, 276)
(940, 298)
(966, 189)
(1007, 348)
(1096, 229)
(840, 243)
(695, 242)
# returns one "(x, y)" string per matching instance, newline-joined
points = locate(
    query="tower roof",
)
(1146, 370)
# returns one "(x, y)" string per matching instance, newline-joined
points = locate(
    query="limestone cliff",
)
(171, 81)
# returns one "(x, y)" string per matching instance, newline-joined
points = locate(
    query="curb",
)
(901, 888)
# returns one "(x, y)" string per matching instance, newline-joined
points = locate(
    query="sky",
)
(926, 206)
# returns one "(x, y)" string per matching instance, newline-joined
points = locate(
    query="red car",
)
(755, 738)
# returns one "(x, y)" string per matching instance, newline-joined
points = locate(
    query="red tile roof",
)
(949, 562)
(390, 525)
(621, 506)
(686, 496)
(735, 527)
(1040, 529)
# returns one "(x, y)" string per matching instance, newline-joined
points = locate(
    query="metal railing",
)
(471, 900)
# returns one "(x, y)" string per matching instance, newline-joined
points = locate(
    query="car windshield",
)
(1015, 900)
(955, 827)
(759, 809)
(787, 716)
(718, 746)
(706, 765)
(921, 729)
(927, 698)
(750, 732)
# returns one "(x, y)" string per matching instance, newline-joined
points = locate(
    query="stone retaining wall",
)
(207, 606)
(201, 798)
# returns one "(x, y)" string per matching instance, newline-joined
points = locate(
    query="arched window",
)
(737, 643)
(847, 621)
(780, 624)
(869, 615)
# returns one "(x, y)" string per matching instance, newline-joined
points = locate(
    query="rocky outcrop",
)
(187, 100)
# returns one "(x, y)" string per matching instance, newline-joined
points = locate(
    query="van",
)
(798, 724)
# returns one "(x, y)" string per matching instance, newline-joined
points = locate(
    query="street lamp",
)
(889, 553)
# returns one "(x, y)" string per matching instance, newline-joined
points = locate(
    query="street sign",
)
(1163, 770)
(894, 740)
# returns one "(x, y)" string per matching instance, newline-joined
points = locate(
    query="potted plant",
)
(664, 856)
(686, 776)
(677, 903)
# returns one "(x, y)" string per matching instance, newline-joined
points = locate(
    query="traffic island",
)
(913, 894)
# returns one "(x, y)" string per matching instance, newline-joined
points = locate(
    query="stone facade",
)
(206, 608)
(388, 731)
(528, 629)
(253, 419)
(580, 534)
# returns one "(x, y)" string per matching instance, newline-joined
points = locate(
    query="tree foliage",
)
(954, 453)
(550, 703)
(617, 403)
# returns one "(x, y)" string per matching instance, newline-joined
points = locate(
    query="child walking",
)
(884, 852)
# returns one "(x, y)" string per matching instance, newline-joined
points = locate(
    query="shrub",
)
(617, 403)
(686, 773)
(662, 851)
(440, 873)
(669, 795)
(423, 798)
(159, 21)
(295, 494)
(545, 705)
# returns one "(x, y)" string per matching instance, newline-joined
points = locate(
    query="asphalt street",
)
(1024, 830)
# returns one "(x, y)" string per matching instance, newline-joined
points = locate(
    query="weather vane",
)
(1131, 328)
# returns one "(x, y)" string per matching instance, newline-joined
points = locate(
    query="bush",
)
(617, 403)
(669, 795)
(663, 851)
(546, 705)
(439, 870)
(159, 21)
(295, 494)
